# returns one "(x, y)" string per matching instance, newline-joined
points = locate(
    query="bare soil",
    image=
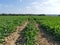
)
(11, 40)
(45, 39)
(16, 38)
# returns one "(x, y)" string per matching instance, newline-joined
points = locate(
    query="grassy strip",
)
(30, 33)
(8, 25)
(51, 25)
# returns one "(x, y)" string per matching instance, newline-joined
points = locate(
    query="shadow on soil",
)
(48, 37)
(20, 40)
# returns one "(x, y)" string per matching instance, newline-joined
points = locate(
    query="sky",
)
(30, 6)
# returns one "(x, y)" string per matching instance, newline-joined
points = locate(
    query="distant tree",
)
(41, 15)
(3, 14)
(58, 15)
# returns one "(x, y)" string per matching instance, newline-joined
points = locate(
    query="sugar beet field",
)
(29, 30)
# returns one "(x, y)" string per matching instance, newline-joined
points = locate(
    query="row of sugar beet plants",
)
(30, 33)
(51, 24)
(8, 25)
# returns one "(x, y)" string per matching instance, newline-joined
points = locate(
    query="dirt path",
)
(42, 37)
(11, 40)
(45, 39)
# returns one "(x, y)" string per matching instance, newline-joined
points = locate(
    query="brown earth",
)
(11, 40)
(42, 37)
(45, 39)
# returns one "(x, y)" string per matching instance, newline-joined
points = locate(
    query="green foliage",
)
(30, 33)
(8, 25)
(51, 24)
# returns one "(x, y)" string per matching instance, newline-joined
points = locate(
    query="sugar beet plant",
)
(30, 33)
(8, 25)
(51, 24)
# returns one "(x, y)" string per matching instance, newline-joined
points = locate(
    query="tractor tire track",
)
(45, 39)
(11, 40)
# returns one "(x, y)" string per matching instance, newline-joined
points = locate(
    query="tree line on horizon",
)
(22, 14)
(27, 15)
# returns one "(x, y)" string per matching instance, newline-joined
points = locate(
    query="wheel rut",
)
(16, 38)
(45, 39)
(11, 40)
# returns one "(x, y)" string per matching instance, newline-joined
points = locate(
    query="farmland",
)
(8, 25)
(29, 28)
(51, 25)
